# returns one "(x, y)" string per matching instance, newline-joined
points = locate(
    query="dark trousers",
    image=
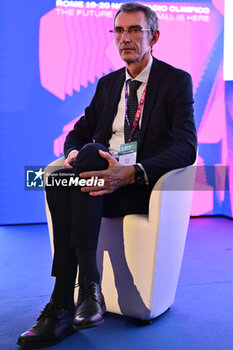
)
(76, 216)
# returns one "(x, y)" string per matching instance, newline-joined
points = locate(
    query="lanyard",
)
(138, 113)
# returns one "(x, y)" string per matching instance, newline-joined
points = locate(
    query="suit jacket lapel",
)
(150, 99)
(115, 95)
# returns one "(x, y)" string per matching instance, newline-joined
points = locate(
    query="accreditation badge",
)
(128, 153)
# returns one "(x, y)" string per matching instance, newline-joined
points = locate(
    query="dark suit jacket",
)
(167, 136)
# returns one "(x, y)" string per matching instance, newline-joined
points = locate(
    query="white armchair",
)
(140, 256)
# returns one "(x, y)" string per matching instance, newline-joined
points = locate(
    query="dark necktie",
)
(132, 105)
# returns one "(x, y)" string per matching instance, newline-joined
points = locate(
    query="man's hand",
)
(114, 177)
(70, 159)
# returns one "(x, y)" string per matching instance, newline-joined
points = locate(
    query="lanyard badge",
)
(128, 153)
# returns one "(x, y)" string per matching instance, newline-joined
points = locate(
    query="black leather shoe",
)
(90, 307)
(52, 326)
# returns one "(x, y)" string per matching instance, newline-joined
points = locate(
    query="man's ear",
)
(155, 38)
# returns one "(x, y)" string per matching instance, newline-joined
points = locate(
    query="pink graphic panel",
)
(53, 54)
(219, 4)
(213, 125)
(73, 51)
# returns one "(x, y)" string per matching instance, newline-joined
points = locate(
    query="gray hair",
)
(151, 17)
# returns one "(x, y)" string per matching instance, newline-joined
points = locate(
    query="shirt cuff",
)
(145, 174)
(71, 152)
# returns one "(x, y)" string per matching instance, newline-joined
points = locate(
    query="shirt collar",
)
(143, 76)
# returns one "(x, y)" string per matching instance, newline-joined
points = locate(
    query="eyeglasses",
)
(133, 31)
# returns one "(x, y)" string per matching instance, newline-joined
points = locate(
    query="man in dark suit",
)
(147, 109)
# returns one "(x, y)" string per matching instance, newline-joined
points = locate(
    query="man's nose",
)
(125, 36)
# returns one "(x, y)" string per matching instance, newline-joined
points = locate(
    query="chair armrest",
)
(55, 165)
(172, 188)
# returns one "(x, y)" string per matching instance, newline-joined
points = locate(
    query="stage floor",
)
(200, 318)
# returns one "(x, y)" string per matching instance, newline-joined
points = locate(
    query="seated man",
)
(146, 108)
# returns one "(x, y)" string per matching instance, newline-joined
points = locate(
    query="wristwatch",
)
(139, 175)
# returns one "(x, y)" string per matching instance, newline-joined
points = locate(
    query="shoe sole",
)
(42, 345)
(88, 325)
